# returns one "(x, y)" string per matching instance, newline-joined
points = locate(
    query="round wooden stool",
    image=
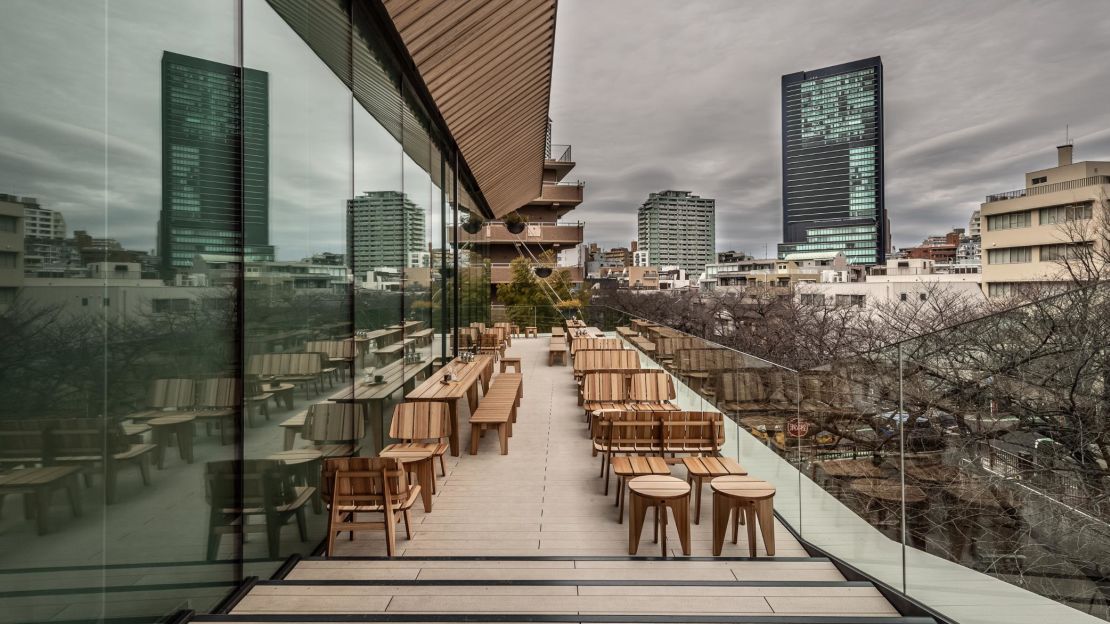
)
(417, 459)
(511, 361)
(165, 428)
(753, 497)
(659, 492)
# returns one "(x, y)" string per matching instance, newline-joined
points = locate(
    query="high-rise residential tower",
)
(386, 231)
(832, 162)
(215, 162)
(678, 228)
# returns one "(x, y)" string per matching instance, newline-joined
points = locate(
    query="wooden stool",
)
(756, 497)
(659, 492)
(531, 332)
(511, 361)
(165, 428)
(418, 460)
(557, 353)
(698, 468)
(628, 467)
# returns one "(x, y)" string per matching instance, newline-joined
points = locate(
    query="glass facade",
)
(256, 207)
(832, 162)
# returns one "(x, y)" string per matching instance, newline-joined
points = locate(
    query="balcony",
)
(560, 194)
(501, 273)
(1043, 189)
(562, 233)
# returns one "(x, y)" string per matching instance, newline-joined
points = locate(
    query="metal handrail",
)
(1041, 189)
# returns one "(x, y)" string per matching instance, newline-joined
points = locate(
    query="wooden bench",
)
(557, 350)
(588, 343)
(587, 360)
(627, 333)
(178, 394)
(497, 409)
(643, 390)
(643, 344)
(340, 353)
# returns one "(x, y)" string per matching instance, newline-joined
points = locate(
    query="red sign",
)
(797, 427)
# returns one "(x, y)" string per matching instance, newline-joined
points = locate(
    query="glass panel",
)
(297, 301)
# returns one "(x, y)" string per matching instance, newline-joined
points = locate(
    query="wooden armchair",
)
(427, 423)
(335, 429)
(267, 490)
(93, 441)
(177, 394)
(492, 343)
(355, 485)
(218, 402)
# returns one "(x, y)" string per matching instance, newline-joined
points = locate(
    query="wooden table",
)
(757, 499)
(165, 428)
(575, 323)
(659, 492)
(37, 484)
(465, 384)
(628, 467)
(417, 458)
(396, 376)
(304, 464)
(283, 392)
(700, 468)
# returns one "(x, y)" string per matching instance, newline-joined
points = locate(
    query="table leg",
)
(766, 512)
(425, 475)
(185, 441)
(472, 397)
(749, 511)
(453, 439)
(290, 437)
(721, 508)
(161, 441)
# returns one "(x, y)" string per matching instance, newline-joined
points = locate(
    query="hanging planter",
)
(543, 271)
(473, 223)
(514, 223)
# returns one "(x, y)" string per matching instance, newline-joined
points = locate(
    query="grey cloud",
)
(976, 94)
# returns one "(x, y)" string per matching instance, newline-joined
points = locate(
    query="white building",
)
(900, 280)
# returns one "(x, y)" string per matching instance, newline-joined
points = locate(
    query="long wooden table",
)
(465, 384)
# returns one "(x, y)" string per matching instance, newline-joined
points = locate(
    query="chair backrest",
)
(558, 331)
(491, 340)
(604, 386)
(220, 392)
(266, 484)
(21, 439)
(587, 343)
(692, 430)
(667, 346)
(335, 422)
(650, 386)
(420, 420)
(639, 431)
(333, 348)
(172, 393)
(83, 437)
(363, 481)
(586, 360)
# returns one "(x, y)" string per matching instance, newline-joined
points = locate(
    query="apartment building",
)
(387, 230)
(900, 280)
(1028, 233)
(678, 228)
(11, 249)
(546, 230)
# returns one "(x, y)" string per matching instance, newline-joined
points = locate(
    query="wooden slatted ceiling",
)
(487, 65)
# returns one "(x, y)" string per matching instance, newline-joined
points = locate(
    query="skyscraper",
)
(832, 162)
(678, 228)
(215, 162)
(386, 231)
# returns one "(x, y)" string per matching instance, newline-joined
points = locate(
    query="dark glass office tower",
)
(215, 162)
(832, 162)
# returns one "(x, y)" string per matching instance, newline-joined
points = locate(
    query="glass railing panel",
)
(1012, 408)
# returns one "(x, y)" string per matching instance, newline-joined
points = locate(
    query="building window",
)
(8, 223)
(1009, 221)
(1040, 180)
(923, 296)
(903, 297)
(1010, 255)
(813, 299)
(1063, 251)
(1063, 214)
(850, 300)
(8, 259)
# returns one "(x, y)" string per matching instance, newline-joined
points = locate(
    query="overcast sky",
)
(658, 94)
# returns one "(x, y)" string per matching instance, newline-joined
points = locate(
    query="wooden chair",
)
(93, 441)
(651, 390)
(626, 433)
(178, 394)
(267, 489)
(218, 402)
(341, 353)
(423, 422)
(492, 343)
(603, 390)
(335, 429)
(586, 360)
(355, 485)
